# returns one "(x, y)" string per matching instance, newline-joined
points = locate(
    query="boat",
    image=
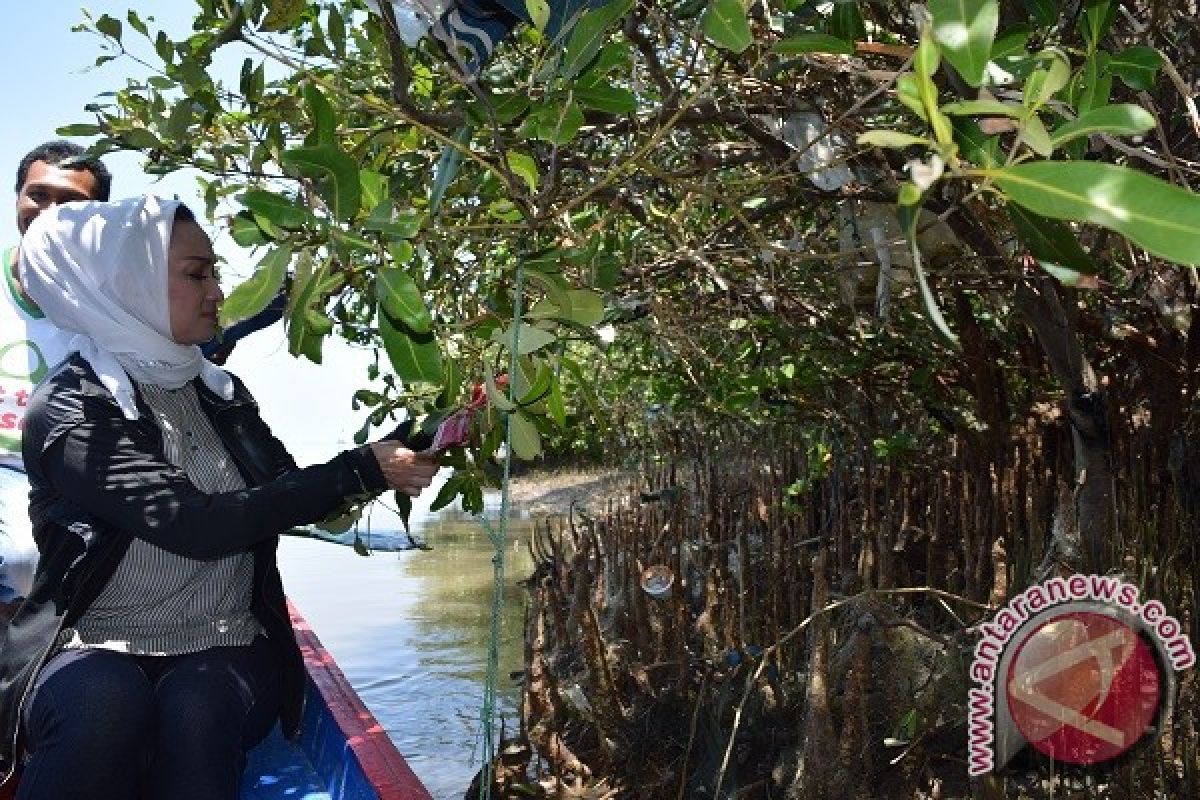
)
(343, 753)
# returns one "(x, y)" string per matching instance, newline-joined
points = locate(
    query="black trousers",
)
(103, 725)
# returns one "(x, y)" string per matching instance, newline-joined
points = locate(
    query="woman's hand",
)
(405, 471)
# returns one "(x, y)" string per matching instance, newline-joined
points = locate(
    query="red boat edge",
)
(359, 735)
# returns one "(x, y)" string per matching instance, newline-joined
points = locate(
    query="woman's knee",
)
(94, 703)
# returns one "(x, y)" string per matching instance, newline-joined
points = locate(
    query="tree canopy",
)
(784, 210)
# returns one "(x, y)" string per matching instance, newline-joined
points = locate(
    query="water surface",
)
(410, 630)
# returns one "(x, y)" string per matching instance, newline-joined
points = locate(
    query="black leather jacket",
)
(99, 480)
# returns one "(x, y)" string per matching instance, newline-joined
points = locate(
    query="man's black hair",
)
(66, 155)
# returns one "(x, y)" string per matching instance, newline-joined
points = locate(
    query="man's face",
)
(46, 186)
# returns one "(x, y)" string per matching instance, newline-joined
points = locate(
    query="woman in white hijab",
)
(154, 649)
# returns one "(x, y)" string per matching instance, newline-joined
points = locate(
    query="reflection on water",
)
(410, 630)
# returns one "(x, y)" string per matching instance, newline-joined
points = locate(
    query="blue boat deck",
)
(343, 752)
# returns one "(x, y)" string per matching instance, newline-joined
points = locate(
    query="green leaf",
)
(79, 129)
(965, 29)
(1043, 12)
(317, 322)
(1049, 240)
(552, 123)
(538, 390)
(893, 139)
(447, 167)
(908, 93)
(1161, 218)
(182, 115)
(925, 63)
(277, 209)
(539, 13)
(400, 298)
(253, 295)
(524, 438)
(336, 174)
(374, 191)
(975, 145)
(525, 167)
(1013, 42)
(304, 296)
(1124, 119)
(447, 493)
(415, 356)
(1098, 16)
(909, 211)
(404, 509)
(497, 398)
(320, 111)
(846, 21)
(1034, 134)
(1091, 86)
(1137, 66)
(555, 406)
(726, 25)
(140, 139)
(109, 26)
(530, 339)
(608, 99)
(245, 231)
(283, 14)
(1045, 82)
(983, 108)
(587, 307)
(589, 36)
(136, 23)
(813, 43)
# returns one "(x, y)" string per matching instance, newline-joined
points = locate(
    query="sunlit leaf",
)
(524, 167)
(336, 174)
(415, 357)
(528, 340)
(255, 293)
(1137, 66)
(983, 108)
(283, 14)
(276, 208)
(1153, 214)
(539, 13)
(589, 35)
(400, 298)
(609, 99)
(1124, 119)
(964, 29)
(524, 437)
(726, 25)
(893, 139)
(554, 123)
(1092, 84)
(324, 119)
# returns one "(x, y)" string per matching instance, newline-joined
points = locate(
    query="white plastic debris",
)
(413, 17)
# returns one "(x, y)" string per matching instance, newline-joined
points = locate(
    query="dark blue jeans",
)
(102, 725)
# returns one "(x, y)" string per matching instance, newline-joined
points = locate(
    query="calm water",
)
(410, 631)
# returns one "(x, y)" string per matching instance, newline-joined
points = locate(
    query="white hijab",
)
(99, 270)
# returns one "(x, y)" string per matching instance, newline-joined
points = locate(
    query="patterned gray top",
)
(159, 603)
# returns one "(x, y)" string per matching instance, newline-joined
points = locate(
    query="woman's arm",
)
(118, 473)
